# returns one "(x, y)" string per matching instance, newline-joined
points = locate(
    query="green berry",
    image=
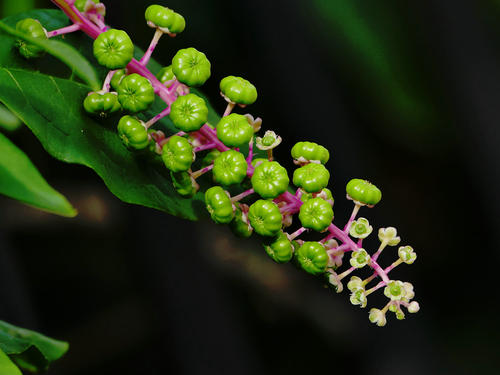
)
(230, 167)
(270, 179)
(34, 29)
(219, 205)
(135, 93)
(177, 154)
(363, 191)
(280, 248)
(234, 130)
(80, 4)
(311, 177)
(316, 214)
(165, 18)
(189, 112)
(309, 151)
(113, 49)
(101, 104)
(191, 67)
(165, 74)
(209, 158)
(133, 132)
(265, 217)
(238, 90)
(184, 184)
(312, 257)
(117, 78)
(240, 225)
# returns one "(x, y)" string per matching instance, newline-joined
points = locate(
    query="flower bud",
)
(358, 297)
(378, 317)
(406, 254)
(413, 307)
(354, 283)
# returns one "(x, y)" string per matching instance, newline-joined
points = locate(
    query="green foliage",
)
(28, 349)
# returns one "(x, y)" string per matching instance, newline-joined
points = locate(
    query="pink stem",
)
(158, 117)
(342, 248)
(97, 19)
(198, 173)
(353, 216)
(154, 42)
(106, 85)
(228, 110)
(238, 197)
(173, 87)
(165, 140)
(64, 30)
(297, 233)
(204, 147)
(209, 133)
(250, 151)
(290, 208)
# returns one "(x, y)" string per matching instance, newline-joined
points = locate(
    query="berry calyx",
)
(101, 104)
(238, 90)
(312, 257)
(219, 205)
(280, 248)
(364, 192)
(34, 29)
(312, 177)
(230, 167)
(135, 93)
(306, 152)
(265, 217)
(113, 49)
(177, 154)
(234, 130)
(133, 132)
(316, 214)
(189, 112)
(191, 67)
(270, 179)
(165, 19)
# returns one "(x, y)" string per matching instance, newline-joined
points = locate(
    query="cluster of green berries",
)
(269, 203)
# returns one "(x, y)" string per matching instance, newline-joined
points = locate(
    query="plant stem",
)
(158, 117)
(297, 233)
(154, 42)
(240, 196)
(229, 108)
(206, 146)
(198, 173)
(63, 30)
(353, 216)
(106, 85)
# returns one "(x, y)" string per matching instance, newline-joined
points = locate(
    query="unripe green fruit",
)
(189, 112)
(34, 29)
(230, 167)
(209, 158)
(80, 4)
(184, 184)
(311, 177)
(234, 130)
(101, 104)
(177, 154)
(316, 214)
(165, 18)
(240, 225)
(280, 248)
(166, 74)
(117, 78)
(265, 217)
(238, 90)
(312, 257)
(270, 179)
(135, 93)
(363, 191)
(219, 205)
(191, 67)
(133, 132)
(307, 151)
(113, 49)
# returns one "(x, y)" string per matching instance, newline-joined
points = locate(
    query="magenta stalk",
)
(229, 108)
(204, 147)
(353, 216)
(63, 30)
(240, 196)
(202, 171)
(158, 117)
(107, 81)
(154, 42)
(297, 233)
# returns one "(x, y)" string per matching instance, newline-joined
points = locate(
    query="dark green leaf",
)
(8, 121)
(6, 365)
(30, 350)
(19, 179)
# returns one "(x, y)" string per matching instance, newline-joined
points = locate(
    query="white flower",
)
(359, 258)
(378, 317)
(413, 307)
(334, 280)
(406, 254)
(354, 283)
(360, 228)
(389, 235)
(269, 141)
(358, 297)
(395, 290)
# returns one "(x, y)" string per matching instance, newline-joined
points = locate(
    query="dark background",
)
(405, 94)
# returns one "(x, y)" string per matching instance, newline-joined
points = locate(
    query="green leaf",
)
(6, 365)
(63, 52)
(19, 179)
(8, 121)
(29, 349)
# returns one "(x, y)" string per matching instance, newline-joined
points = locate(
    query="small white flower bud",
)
(413, 307)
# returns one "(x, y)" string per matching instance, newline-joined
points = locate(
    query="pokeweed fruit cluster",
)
(269, 204)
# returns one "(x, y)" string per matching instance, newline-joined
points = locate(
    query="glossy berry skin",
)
(316, 214)
(265, 217)
(363, 191)
(165, 18)
(309, 151)
(238, 90)
(80, 4)
(230, 167)
(280, 248)
(177, 154)
(234, 130)
(184, 184)
(135, 93)
(133, 133)
(166, 74)
(189, 112)
(191, 67)
(34, 29)
(312, 257)
(101, 104)
(113, 49)
(117, 78)
(325, 193)
(240, 225)
(270, 179)
(219, 205)
(311, 177)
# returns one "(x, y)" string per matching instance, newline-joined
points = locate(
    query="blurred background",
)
(405, 94)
